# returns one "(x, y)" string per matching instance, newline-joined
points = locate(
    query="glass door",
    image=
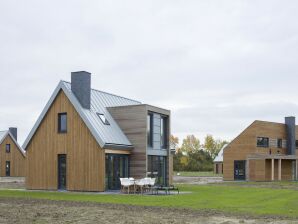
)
(239, 169)
(116, 168)
(157, 168)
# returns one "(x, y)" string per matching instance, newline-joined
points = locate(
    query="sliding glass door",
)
(116, 168)
(157, 168)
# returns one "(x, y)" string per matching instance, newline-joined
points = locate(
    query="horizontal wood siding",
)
(16, 158)
(85, 158)
(132, 121)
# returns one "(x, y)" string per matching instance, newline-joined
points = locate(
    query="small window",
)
(279, 143)
(263, 142)
(296, 144)
(7, 148)
(103, 118)
(62, 122)
(7, 169)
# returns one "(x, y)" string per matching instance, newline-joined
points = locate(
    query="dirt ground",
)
(44, 211)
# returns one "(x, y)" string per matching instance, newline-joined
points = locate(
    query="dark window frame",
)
(7, 148)
(150, 129)
(60, 123)
(296, 144)
(7, 168)
(101, 117)
(264, 144)
(164, 132)
(279, 143)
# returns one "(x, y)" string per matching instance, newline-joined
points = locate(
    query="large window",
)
(263, 142)
(7, 148)
(62, 122)
(7, 168)
(150, 130)
(157, 168)
(163, 132)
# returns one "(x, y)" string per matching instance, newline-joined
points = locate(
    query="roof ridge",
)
(108, 93)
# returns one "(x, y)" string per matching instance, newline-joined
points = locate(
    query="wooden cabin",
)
(86, 140)
(12, 156)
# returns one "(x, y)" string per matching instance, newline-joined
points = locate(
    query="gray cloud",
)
(218, 65)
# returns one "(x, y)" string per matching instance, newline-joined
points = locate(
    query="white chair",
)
(126, 183)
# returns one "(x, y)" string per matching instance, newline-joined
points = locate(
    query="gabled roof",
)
(4, 134)
(107, 136)
(219, 157)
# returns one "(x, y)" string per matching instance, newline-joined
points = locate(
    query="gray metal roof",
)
(4, 134)
(107, 136)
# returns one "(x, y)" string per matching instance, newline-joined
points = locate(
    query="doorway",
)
(116, 168)
(62, 172)
(239, 170)
(7, 169)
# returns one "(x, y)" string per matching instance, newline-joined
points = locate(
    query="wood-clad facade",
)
(84, 158)
(15, 158)
(244, 157)
(133, 122)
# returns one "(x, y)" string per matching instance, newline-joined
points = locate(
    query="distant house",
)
(86, 140)
(265, 151)
(218, 161)
(12, 156)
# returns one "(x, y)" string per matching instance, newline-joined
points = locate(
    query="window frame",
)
(296, 144)
(279, 143)
(101, 116)
(7, 148)
(60, 131)
(150, 130)
(164, 132)
(263, 145)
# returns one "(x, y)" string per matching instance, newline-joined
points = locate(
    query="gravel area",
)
(45, 211)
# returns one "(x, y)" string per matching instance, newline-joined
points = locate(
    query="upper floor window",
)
(7, 148)
(262, 142)
(150, 130)
(279, 143)
(163, 132)
(62, 122)
(103, 118)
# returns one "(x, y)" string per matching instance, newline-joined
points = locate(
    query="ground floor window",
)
(157, 168)
(7, 168)
(117, 166)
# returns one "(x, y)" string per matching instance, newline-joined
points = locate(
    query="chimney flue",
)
(14, 132)
(81, 87)
(291, 135)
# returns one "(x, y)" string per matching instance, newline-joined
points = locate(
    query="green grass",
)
(229, 199)
(198, 174)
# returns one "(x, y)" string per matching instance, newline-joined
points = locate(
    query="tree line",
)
(194, 156)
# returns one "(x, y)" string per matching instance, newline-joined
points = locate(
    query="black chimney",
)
(291, 135)
(14, 132)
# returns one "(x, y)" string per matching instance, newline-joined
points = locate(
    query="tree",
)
(190, 144)
(213, 146)
(174, 143)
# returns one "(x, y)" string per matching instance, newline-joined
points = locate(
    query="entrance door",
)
(116, 168)
(239, 169)
(7, 169)
(62, 172)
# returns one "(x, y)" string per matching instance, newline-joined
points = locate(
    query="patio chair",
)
(141, 185)
(126, 183)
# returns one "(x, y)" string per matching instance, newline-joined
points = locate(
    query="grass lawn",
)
(198, 174)
(230, 199)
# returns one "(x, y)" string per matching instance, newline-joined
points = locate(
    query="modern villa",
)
(86, 140)
(12, 156)
(265, 151)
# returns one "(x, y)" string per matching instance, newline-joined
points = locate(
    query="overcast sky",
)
(217, 65)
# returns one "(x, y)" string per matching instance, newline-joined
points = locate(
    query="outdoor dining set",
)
(145, 185)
